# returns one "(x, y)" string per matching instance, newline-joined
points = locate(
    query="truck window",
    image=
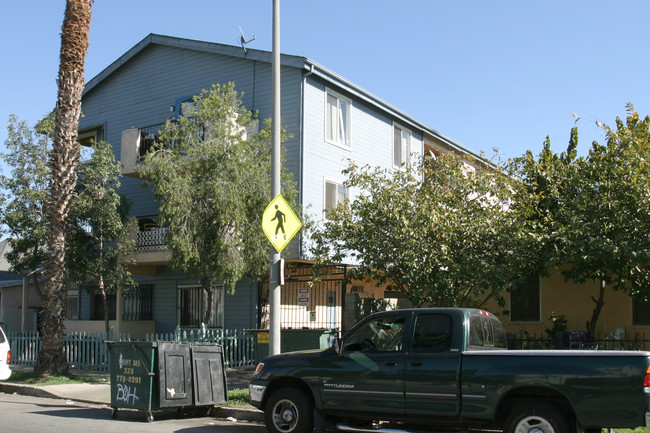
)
(486, 332)
(476, 331)
(381, 334)
(499, 335)
(432, 333)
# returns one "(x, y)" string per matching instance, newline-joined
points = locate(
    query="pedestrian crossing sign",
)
(279, 223)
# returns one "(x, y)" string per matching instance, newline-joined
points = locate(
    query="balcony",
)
(151, 250)
(135, 143)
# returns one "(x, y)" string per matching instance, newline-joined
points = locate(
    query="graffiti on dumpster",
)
(126, 394)
(129, 375)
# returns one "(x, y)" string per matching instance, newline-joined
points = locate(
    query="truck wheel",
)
(535, 418)
(289, 410)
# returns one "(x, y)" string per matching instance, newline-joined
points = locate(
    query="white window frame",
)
(327, 203)
(401, 150)
(332, 131)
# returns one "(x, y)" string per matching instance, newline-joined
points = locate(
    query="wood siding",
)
(140, 93)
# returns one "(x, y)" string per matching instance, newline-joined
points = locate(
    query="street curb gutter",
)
(239, 414)
(33, 391)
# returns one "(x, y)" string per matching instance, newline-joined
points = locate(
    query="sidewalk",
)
(100, 393)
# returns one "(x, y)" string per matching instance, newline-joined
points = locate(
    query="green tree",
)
(609, 233)
(24, 212)
(211, 176)
(440, 232)
(63, 163)
(101, 238)
(544, 182)
(590, 214)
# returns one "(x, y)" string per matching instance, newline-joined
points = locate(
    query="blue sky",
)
(500, 74)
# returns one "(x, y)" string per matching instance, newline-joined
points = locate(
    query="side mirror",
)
(335, 344)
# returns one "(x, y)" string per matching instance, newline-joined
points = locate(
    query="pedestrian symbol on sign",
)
(279, 223)
(281, 218)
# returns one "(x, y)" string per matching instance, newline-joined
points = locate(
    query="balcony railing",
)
(148, 137)
(150, 238)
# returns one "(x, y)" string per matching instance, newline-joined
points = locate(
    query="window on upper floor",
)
(640, 312)
(335, 194)
(401, 146)
(87, 138)
(337, 119)
(525, 301)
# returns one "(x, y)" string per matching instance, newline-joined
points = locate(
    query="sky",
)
(488, 74)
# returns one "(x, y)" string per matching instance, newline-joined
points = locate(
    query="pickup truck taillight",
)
(646, 382)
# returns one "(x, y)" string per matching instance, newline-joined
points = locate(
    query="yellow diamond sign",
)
(279, 223)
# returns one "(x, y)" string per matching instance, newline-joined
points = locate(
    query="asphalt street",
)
(27, 414)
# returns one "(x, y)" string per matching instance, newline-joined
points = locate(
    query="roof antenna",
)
(243, 41)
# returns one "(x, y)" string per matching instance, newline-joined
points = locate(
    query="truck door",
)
(368, 374)
(432, 369)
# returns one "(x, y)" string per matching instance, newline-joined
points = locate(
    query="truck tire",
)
(289, 410)
(535, 417)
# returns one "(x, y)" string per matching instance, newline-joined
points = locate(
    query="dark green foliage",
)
(210, 173)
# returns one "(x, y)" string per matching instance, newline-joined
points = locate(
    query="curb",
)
(33, 391)
(237, 414)
(253, 415)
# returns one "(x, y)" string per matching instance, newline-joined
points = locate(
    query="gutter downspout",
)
(301, 145)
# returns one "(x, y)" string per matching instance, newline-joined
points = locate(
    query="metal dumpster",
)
(209, 374)
(292, 340)
(156, 375)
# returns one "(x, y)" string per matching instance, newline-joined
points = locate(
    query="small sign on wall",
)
(312, 316)
(303, 296)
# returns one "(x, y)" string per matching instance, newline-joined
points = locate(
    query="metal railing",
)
(579, 340)
(151, 237)
(90, 351)
(148, 137)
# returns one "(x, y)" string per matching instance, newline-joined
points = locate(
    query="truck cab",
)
(449, 368)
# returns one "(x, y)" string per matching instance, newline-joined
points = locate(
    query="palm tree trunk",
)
(63, 162)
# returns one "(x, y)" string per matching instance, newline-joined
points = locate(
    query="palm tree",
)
(63, 162)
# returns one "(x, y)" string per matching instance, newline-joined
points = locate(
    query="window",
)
(192, 301)
(525, 301)
(97, 306)
(89, 136)
(640, 312)
(87, 139)
(136, 303)
(486, 332)
(183, 105)
(72, 305)
(382, 334)
(335, 194)
(432, 333)
(337, 119)
(401, 146)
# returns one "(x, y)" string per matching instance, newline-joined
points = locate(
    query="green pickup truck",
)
(448, 368)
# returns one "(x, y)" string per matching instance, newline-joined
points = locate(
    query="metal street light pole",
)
(274, 280)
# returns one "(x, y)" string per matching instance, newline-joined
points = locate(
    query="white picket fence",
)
(90, 351)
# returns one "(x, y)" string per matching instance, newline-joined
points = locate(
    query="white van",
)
(5, 356)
